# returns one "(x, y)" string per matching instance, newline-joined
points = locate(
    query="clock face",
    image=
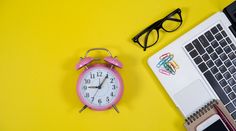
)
(100, 87)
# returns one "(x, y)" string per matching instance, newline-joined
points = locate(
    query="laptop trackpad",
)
(192, 97)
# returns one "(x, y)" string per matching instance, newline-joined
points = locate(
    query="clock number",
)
(92, 99)
(86, 95)
(92, 76)
(99, 101)
(112, 80)
(113, 87)
(85, 87)
(112, 94)
(99, 74)
(107, 99)
(87, 81)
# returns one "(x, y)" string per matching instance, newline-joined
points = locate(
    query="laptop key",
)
(228, 63)
(218, 76)
(234, 102)
(193, 53)
(223, 83)
(214, 43)
(219, 26)
(232, 95)
(202, 67)
(232, 69)
(234, 88)
(222, 69)
(198, 46)
(233, 46)
(223, 57)
(228, 40)
(218, 62)
(234, 115)
(219, 50)
(203, 40)
(214, 30)
(219, 36)
(234, 75)
(209, 36)
(214, 56)
(217, 88)
(189, 47)
(205, 57)
(223, 33)
(227, 49)
(234, 62)
(230, 107)
(232, 56)
(214, 70)
(209, 50)
(227, 75)
(227, 89)
(231, 82)
(223, 43)
(210, 63)
(197, 60)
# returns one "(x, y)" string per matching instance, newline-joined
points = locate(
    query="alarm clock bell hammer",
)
(99, 86)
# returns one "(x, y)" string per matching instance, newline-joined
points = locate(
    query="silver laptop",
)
(206, 57)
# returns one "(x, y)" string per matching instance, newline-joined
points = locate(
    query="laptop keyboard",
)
(214, 54)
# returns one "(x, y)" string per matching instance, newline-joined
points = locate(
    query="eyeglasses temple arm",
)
(178, 20)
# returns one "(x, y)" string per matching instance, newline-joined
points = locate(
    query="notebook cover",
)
(204, 113)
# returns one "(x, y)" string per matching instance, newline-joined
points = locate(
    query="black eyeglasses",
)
(169, 23)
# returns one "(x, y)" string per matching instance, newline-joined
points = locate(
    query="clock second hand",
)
(99, 87)
(94, 95)
(96, 91)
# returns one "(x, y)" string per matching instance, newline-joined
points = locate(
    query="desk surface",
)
(41, 41)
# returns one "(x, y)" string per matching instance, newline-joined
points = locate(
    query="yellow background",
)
(41, 41)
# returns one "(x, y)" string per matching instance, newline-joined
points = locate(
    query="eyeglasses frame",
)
(157, 26)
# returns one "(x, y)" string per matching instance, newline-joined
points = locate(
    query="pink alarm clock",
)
(99, 86)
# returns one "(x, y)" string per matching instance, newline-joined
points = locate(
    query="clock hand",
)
(93, 87)
(100, 86)
(94, 95)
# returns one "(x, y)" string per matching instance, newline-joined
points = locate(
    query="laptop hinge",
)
(230, 12)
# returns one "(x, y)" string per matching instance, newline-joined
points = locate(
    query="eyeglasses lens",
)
(172, 23)
(149, 38)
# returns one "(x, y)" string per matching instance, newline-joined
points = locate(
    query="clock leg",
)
(116, 109)
(83, 108)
